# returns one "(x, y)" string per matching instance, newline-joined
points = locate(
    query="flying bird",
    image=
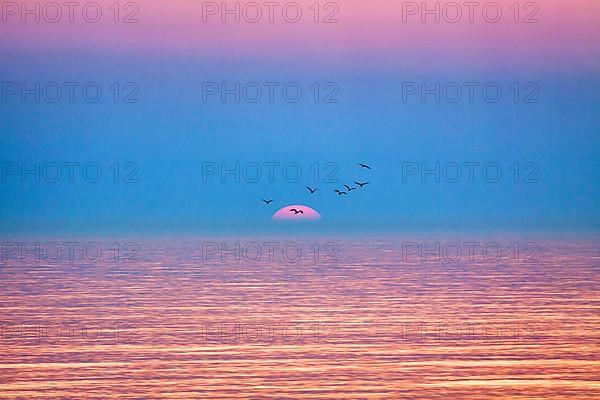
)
(267, 202)
(296, 212)
(339, 192)
(311, 190)
(349, 188)
(364, 166)
(362, 184)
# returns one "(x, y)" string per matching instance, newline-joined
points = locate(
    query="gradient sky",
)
(368, 54)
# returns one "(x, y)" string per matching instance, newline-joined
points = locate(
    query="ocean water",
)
(387, 317)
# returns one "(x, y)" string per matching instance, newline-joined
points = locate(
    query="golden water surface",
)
(357, 319)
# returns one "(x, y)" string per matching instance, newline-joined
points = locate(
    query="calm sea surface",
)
(326, 318)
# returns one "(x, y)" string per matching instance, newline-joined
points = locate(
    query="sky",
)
(380, 86)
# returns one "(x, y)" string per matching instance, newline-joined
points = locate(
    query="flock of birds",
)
(338, 191)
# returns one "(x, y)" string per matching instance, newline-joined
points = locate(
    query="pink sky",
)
(566, 34)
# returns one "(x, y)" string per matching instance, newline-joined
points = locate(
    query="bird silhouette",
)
(364, 166)
(267, 202)
(311, 190)
(362, 184)
(339, 192)
(296, 212)
(349, 188)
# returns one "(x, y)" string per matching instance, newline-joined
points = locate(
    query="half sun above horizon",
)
(296, 212)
